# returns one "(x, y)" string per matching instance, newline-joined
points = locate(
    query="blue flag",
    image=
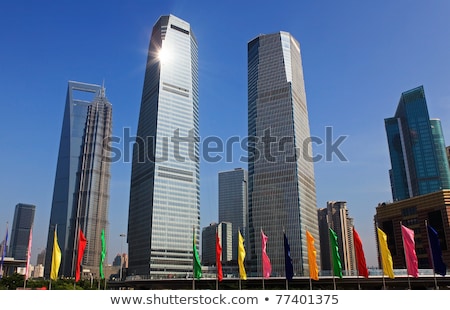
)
(288, 260)
(436, 252)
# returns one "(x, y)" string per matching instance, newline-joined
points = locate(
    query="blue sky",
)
(358, 57)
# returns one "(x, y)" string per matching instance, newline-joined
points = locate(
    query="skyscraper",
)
(81, 190)
(164, 207)
(282, 193)
(336, 217)
(20, 233)
(417, 151)
(233, 203)
(224, 230)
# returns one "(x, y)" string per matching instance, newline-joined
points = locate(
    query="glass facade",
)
(164, 206)
(233, 203)
(417, 148)
(20, 234)
(281, 189)
(81, 189)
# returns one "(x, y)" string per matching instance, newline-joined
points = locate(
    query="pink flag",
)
(410, 251)
(266, 267)
(27, 270)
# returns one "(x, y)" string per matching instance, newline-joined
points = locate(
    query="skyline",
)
(357, 60)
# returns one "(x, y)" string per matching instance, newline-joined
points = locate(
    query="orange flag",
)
(312, 261)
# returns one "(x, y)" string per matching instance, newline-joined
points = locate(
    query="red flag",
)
(27, 270)
(81, 246)
(410, 251)
(360, 258)
(266, 266)
(218, 258)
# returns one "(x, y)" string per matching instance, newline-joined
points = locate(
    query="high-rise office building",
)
(282, 192)
(164, 206)
(417, 151)
(81, 189)
(415, 213)
(20, 233)
(224, 230)
(233, 203)
(336, 217)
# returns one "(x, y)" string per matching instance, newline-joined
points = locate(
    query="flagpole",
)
(404, 253)
(432, 258)
(262, 264)
(357, 269)
(239, 271)
(193, 259)
(331, 253)
(381, 259)
(286, 281)
(217, 266)
(310, 280)
(28, 259)
(4, 251)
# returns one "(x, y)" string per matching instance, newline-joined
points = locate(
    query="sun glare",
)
(164, 55)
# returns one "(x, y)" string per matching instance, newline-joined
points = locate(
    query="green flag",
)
(197, 265)
(102, 255)
(337, 267)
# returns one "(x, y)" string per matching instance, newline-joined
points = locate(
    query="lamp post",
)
(121, 255)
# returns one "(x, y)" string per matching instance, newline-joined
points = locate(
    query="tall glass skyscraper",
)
(416, 147)
(233, 203)
(164, 207)
(81, 189)
(282, 192)
(20, 234)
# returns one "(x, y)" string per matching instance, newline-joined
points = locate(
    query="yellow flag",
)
(241, 256)
(386, 258)
(56, 258)
(313, 268)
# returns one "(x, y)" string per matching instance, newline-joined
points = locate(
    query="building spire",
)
(103, 90)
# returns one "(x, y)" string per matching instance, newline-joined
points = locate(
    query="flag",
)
(337, 266)
(312, 261)
(27, 269)
(289, 268)
(266, 267)
(81, 246)
(197, 265)
(56, 258)
(241, 257)
(360, 257)
(386, 258)
(3, 252)
(412, 264)
(436, 252)
(218, 258)
(102, 255)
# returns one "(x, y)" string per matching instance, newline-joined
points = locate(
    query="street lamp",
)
(121, 255)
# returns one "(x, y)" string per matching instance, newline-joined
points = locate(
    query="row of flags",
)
(241, 256)
(438, 264)
(82, 243)
(411, 260)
